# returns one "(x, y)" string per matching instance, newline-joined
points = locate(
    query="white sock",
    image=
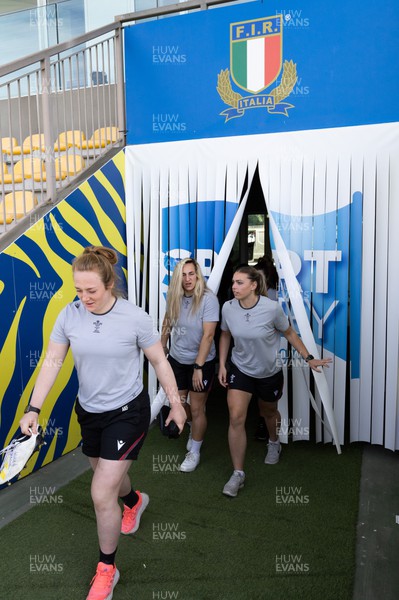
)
(195, 446)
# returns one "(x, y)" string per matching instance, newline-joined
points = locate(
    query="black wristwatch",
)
(31, 408)
(197, 366)
(309, 357)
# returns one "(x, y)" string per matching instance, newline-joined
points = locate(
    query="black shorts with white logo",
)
(269, 389)
(117, 434)
(184, 374)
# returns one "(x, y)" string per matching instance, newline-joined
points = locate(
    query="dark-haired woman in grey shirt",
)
(256, 324)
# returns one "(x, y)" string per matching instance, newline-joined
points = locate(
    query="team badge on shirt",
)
(97, 324)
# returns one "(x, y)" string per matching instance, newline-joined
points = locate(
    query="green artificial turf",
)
(289, 534)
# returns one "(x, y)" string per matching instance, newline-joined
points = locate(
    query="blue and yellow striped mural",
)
(35, 284)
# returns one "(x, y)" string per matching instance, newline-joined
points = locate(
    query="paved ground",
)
(377, 572)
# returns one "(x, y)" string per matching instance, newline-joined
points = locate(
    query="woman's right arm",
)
(224, 345)
(49, 370)
(165, 332)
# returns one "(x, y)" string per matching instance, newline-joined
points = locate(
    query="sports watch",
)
(309, 357)
(31, 408)
(197, 366)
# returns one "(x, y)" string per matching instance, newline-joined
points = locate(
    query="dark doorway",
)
(253, 237)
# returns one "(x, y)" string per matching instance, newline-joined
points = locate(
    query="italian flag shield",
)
(256, 53)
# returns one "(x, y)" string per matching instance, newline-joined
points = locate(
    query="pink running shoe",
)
(131, 516)
(103, 582)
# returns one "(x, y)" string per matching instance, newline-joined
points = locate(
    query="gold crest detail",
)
(288, 81)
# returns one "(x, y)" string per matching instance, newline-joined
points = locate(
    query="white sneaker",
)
(235, 483)
(17, 454)
(189, 442)
(273, 453)
(190, 463)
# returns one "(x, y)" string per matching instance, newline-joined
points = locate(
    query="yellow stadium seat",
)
(24, 203)
(60, 172)
(29, 168)
(30, 144)
(7, 178)
(71, 164)
(100, 138)
(110, 134)
(35, 142)
(7, 143)
(68, 139)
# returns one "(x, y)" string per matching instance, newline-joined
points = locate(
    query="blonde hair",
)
(254, 275)
(176, 291)
(101, 260)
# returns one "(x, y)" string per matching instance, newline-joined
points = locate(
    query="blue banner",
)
(334, 70)
(322, 265)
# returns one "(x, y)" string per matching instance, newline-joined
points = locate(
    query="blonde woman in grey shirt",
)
(192, 313)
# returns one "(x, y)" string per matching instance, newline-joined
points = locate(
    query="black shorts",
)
(184, 375)
(269, 389)
(117, 434)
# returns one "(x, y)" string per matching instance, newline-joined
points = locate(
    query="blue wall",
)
(345, 55)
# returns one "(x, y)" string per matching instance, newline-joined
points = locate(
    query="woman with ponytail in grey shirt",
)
(106, 335)
(255, 323)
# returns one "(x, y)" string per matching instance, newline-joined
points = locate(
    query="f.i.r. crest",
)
(256, 59)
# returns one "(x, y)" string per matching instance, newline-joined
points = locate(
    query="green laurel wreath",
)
(288, 81)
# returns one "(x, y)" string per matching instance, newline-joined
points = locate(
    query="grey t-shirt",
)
(106, 351)
(256, 333)
(188, 331)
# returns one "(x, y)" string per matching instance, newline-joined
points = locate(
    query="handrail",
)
(20, 63)
(169, 9)
(62, 98)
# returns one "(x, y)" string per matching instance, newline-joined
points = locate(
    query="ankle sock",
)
(108, 559)
(130, 499)
(195, 446)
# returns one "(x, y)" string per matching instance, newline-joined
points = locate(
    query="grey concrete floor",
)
(377, 552)
(19, 497)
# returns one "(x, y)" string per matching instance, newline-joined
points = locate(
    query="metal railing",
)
(61, 110)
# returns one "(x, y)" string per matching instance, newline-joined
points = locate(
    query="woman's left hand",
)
(198, 384)
(315, 362)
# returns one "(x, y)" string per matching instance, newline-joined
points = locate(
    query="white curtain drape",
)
(334, 197)
(176, 209)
